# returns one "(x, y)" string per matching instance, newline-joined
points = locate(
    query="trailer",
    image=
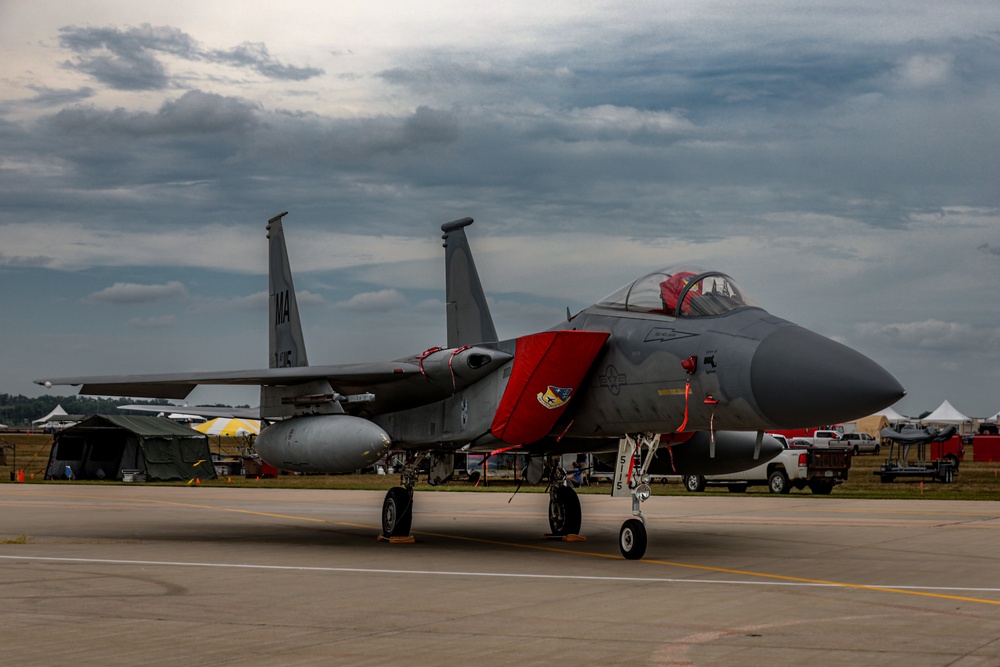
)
(921, 443)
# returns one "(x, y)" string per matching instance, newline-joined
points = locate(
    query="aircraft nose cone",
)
(800, 378)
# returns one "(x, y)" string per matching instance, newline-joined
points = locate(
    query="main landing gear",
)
(632, 480)
(565, 515)
(397, 508)
(397, 512)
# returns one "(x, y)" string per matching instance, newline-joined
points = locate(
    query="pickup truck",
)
(823, 438)
(800, 465)
(860, 443)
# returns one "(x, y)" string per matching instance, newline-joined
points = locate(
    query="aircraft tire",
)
(778, 482)
(565, 515)
(632, 539)
(694, 483)
(397, 512)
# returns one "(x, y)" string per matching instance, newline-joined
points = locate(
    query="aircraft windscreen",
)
(699, 293)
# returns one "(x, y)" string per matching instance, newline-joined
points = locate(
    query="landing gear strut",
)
(631, 479)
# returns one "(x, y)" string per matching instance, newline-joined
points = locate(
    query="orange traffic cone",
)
(197, 481)
(20, 475)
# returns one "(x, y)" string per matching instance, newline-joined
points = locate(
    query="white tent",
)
(57, 419)
(56, 412)
(947, 414)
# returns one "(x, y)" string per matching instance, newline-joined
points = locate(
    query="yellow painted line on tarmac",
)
(592, 554)
(273, 515)
(824, 582)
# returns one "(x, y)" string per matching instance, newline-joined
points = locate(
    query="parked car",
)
(860, 443)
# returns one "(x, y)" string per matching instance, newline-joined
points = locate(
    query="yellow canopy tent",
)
(229, 426)
(245, 430)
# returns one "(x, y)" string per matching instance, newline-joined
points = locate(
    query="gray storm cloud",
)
(131, 58)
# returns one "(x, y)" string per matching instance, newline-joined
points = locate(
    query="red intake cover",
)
(548, 368)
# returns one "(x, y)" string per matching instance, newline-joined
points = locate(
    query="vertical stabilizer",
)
(469, 319)
(287, 346)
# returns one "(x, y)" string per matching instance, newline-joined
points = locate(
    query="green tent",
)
(102, 447)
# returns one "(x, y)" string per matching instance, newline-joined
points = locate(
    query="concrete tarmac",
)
(127, 575)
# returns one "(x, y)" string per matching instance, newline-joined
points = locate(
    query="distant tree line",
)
(19, 410)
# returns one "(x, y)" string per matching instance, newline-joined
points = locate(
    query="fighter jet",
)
(677, 372)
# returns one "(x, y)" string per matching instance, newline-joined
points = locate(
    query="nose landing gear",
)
(632, 480)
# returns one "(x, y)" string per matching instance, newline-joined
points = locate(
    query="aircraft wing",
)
(179, 385)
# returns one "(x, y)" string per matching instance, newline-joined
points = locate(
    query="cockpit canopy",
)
(700, 294)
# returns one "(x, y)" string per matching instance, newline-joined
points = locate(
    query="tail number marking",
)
(282, 311)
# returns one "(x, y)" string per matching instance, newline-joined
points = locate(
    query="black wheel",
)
(632, 539)
(737, 488)
(857, 450)
(565, 515)
(878, 448)
(821, 487)
(694, 483)
(397, 512)
(953, 459)
(778, 482)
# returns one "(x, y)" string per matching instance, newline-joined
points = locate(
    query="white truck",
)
(823, 438)
(799, 465)
(861, 443)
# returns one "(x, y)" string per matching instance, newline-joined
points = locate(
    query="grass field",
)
(975, 481)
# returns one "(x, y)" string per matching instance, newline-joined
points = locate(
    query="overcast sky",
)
(840, 160)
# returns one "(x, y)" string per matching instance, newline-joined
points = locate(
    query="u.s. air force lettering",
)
(663, 334)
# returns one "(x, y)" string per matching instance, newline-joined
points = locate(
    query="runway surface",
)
(126, 575)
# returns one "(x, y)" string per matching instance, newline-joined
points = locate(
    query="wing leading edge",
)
(179, 385)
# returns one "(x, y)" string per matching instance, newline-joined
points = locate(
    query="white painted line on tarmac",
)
(507, 575)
